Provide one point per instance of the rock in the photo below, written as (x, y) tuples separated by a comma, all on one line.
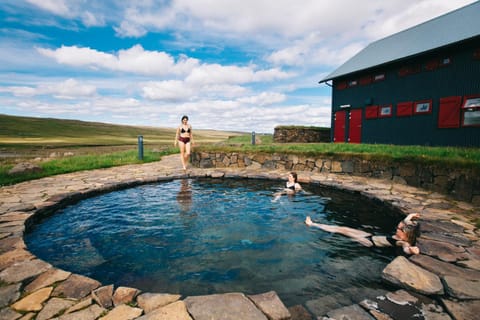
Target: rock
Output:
[(90, 313), (403, 273), (9, 294), (80, 305), (123, 312), (23, 270), (353, 312), (76, 287), (124, 295), (441, 268), (9, 314), (23, 168), (33, 302), (47, 279), (322, 305), (442, 250), (12, 242), (466, 310), (471, 263), (298, 312), (227, 306), (53, 307), (103, 296), (402, 304), (176, 310), (270, 304), (462, 288), (14, 256), (152, 301)]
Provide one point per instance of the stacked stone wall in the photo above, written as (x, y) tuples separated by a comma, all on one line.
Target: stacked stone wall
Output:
[(460, 184), (301, 134)]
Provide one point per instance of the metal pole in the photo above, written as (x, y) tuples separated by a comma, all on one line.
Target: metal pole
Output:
[(140, 147), (253, 137)]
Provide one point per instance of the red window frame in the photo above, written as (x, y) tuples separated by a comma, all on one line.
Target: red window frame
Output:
[(385, 111), (470, 108), (421, 104)]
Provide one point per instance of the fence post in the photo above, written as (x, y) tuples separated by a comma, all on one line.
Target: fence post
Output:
[(253, 137), (140, 147)]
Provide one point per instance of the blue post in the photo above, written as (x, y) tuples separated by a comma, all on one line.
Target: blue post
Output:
[(253, 137), (140, 147)]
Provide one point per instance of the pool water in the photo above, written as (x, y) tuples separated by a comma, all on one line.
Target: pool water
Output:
[(204, 236)]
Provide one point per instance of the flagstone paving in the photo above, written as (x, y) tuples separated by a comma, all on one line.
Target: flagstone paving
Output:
[(443, 282)]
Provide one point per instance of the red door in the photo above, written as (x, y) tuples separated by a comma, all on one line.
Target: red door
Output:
[(339, 126), (355, 126)]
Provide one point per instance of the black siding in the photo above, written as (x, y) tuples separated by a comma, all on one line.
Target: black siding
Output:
[(459, 78)]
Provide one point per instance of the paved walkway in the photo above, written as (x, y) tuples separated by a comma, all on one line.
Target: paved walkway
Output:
[(441, 283)]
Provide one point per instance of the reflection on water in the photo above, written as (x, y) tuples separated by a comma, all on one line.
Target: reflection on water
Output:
[(184, 195), (218, 235)]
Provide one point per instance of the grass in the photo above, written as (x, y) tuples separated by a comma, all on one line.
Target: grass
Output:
[(80, 163), (90, 145), (99, 145), (450, 156)]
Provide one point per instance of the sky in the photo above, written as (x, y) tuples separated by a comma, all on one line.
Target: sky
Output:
[(231, 65)]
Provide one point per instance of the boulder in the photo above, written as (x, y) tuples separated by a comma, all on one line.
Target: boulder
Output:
[(23, 168), (401, 272)]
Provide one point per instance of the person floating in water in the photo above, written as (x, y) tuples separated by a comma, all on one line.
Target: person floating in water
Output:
[(291, 187), (405, 236), (184, 138)]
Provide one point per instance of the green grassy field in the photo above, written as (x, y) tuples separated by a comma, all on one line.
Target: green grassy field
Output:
[(91, 145), (61, 146), (27, 137)]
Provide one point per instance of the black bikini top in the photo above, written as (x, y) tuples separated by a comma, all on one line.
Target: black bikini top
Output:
[(290, 187), (183, 130)]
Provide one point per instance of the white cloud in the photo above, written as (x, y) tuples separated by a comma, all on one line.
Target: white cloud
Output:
[(89, 19), (134, 60), (68, 89), (170, 90), (58, 7), (264, 99), (230, 65)]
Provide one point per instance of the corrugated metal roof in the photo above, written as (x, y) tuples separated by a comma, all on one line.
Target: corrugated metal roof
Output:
[(455, 26)]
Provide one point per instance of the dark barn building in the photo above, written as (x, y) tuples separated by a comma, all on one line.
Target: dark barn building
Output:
[(420, 86)]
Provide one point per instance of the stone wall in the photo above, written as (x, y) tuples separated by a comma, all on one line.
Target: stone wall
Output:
[(460, 184), (284, 134)]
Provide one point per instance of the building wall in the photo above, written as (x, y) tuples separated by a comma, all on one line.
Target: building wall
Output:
[(413, 80)]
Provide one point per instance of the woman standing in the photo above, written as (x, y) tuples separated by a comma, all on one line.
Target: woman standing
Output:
[(184, 138)]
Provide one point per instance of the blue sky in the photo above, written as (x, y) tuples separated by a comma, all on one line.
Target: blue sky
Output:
[(243, 65)]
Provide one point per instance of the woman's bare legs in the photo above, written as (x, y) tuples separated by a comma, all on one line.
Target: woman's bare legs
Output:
[(186, 156), (182, 147), (357, 235)]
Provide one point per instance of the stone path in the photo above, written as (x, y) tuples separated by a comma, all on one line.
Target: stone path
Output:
[(440, 283)]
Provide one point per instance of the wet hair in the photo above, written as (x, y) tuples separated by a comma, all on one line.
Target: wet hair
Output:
[(294, 175), (412, 231), (184, 117)]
